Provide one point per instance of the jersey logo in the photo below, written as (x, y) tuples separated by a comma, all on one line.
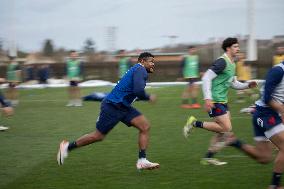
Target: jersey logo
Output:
[(98, 118)]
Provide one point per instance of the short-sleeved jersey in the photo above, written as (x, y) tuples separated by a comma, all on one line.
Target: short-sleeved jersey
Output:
[(273, 87), (130, 87), (73, 70), (221, 83), (266, 119), (191, 66)]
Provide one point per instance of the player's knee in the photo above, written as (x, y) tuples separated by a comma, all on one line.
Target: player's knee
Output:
[(8, 111), (226, 129), (265, 159), (145, 127)]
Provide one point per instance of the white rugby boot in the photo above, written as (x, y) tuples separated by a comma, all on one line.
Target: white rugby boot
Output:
[(62, 152), (143, 163)]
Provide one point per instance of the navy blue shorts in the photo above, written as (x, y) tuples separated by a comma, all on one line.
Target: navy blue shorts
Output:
[(219, 109), (74, 83), (264, 119), (112, 113), (4, 102)]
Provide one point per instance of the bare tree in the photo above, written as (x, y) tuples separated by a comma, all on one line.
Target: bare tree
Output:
[(48, 48), (89, 46)]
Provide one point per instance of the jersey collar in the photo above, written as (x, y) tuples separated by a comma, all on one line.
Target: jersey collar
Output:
[(225, 54)]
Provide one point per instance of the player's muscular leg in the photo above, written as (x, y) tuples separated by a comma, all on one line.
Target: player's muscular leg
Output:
[(142, 124), (90, 138), (278, 140), (222, 124)]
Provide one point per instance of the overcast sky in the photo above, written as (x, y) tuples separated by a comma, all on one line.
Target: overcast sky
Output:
[(140, 23)]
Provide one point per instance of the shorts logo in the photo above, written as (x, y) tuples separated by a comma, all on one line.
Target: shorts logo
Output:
[(259, 122), (218, 110), (271, 121)]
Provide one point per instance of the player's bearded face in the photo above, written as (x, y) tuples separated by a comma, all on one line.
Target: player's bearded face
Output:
[(149, 64)]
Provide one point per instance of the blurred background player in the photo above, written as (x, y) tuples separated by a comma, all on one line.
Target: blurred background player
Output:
[(74, 70), (6, 109), (13, 78), (268, 124), (243, 75), (95, 96), (279, 55), (124, 63), (117, 107), (216, 82), (43, 73), (190, 71)]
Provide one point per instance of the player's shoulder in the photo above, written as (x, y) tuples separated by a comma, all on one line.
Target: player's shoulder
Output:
[(276, 73), (219, 62), (278, 69), (138, 67), (220, 59), (280, 66)]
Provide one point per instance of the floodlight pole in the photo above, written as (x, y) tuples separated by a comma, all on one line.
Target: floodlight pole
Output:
[(12, 44), (111, 38), (251, 42)]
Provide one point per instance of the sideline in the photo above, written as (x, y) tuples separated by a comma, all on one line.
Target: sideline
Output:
[(59, 83)]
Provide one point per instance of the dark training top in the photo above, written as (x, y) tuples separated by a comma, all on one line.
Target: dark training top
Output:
[(130, 87)]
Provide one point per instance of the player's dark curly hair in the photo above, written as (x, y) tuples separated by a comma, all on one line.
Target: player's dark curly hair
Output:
[(144, 56), (229, 42)]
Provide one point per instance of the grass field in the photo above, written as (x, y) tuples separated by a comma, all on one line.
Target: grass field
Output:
[(28, 150)]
